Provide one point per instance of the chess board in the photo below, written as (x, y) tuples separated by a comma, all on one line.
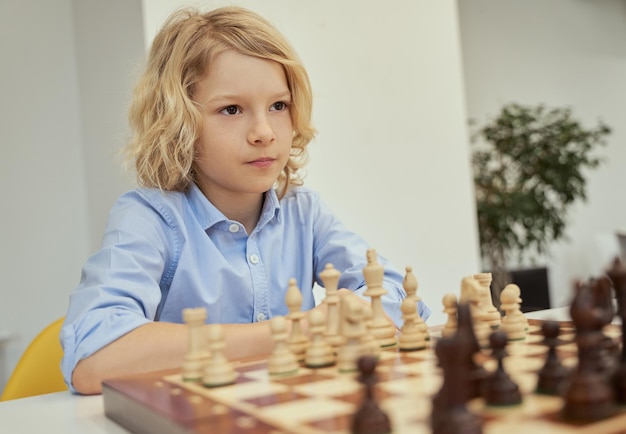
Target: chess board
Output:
[(323, 400)]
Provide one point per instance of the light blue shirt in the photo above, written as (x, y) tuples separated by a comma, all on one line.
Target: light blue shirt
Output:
[(166, 251)]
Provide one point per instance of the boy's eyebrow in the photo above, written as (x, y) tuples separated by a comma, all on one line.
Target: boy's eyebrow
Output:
[(226, 98)]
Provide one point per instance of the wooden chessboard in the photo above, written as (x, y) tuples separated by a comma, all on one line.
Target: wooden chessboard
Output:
[(324, 400)]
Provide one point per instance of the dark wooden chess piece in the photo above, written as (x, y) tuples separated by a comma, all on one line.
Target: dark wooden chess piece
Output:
[(465, 331), (588, 395), (608, 352), (450, 414), (369, 418), (617, 274), (552, 376), (498, 387)]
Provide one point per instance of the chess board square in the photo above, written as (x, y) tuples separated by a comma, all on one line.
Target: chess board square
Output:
[(526, 381), (333, 387), (293, 413), (263, 375), (333, 425), (408, 412), (533, 338), (242, 391), (312, 377), (532, 407), (533, 426), (514, 365), (274, 398), (612, 332), (413, 387), (522, 349)]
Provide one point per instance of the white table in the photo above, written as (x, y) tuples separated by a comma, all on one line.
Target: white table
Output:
[(554, 314), (557, 314), (53, 413)]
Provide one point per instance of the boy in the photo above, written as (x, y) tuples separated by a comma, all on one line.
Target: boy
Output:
[(221, 120)]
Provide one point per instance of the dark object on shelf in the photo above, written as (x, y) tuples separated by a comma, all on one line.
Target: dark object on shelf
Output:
[(533, 283)]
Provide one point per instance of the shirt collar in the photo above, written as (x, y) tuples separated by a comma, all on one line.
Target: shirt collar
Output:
[(208, 215), (271, 208)]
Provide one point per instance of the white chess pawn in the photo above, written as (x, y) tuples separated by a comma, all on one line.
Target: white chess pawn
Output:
[(330, 278), (282, 361), (381, 327), (298, 341), (518, 291), (513, 323), (412, 338), (319, 353), (370, 343), (353, 331), (218, 371), (410, 283), (410, 287), (450, 308)]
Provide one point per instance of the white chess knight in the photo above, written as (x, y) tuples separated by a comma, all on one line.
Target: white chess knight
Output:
[(471, 293)]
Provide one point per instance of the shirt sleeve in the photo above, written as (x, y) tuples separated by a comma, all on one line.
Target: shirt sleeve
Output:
[(120, 287), (346, 250)]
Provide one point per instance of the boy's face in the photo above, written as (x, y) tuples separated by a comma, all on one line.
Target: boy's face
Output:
[(247, 132)]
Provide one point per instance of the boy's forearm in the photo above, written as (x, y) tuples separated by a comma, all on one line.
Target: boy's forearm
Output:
[(160, 346)]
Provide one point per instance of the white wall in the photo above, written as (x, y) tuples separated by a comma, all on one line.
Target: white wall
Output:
[(67, 69), (391, 157), (561, 53), (109, 56), (43, 235)]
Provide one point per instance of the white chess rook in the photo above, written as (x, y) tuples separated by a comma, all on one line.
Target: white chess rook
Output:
[(197, 355)]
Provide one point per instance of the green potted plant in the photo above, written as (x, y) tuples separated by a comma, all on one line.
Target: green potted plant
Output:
[(529, 165)]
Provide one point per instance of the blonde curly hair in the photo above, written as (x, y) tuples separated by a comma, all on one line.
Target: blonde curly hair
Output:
[(164, 119)]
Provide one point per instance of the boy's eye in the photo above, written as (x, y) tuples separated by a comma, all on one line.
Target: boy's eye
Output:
[(279, 106), (230, 110)]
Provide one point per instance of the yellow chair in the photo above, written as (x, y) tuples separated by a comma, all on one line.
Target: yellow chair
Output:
[(39, 368)]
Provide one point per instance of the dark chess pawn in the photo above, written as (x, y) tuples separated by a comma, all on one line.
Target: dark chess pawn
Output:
[(465, 333), (608, 351), (552, 375), (498, 387), (369, 418), (450, 414), (588, 395)]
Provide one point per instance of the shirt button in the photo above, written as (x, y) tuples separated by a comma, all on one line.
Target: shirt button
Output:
[(260, 316), (234, 227), (254, 259)]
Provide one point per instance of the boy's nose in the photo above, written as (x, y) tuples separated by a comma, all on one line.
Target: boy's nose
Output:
[(261, 131)]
